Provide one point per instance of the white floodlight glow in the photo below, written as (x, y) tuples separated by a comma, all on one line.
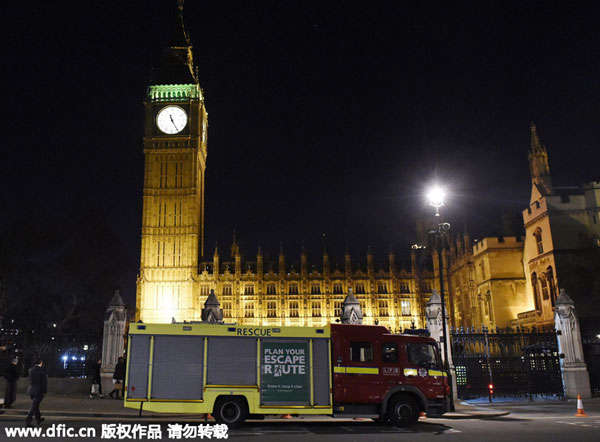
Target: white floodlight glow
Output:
[(436, 196)]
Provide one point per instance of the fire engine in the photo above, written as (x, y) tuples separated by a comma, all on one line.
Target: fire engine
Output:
[(237, 372)]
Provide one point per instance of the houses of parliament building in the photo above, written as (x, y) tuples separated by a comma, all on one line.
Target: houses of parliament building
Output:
[(499, 281), (174, 283)]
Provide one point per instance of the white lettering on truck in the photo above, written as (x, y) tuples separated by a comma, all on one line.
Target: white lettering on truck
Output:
[(279, 362)]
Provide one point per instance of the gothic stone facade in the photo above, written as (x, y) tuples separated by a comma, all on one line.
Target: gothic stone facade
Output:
[(249, 293)]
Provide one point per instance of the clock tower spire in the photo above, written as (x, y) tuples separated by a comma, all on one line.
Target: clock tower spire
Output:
[(175, 150)]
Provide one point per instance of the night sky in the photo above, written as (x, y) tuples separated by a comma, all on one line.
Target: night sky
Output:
[(325, 117)]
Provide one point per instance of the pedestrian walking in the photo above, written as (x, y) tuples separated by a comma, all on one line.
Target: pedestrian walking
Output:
[(38, 387), (96, 380), (118, 378), (11, 374)]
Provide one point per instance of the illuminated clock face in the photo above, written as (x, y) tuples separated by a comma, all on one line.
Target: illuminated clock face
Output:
[(171, 119)]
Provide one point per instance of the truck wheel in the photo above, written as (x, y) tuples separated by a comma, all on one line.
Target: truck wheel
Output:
[(231, 410), (403, 412)]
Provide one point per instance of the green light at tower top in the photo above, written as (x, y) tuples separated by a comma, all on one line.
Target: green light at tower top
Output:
[(175, 92)]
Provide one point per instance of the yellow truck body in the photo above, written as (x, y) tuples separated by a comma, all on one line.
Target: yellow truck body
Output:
[(188, 367)]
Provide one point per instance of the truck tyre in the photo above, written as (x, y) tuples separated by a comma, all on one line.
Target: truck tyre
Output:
[(231, 410), (403, 412)]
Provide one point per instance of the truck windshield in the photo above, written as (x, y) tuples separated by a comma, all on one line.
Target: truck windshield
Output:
[(423, 355)]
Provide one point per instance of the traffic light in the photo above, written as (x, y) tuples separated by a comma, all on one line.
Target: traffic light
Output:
[(491, 389)]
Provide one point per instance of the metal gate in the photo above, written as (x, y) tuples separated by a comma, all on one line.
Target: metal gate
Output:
[(591, 353), (517, 362)]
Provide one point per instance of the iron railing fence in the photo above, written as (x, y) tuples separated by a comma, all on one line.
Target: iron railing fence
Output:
[(516, 362), (64, 355)]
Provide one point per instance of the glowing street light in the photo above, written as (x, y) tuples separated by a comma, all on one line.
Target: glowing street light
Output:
[(436, 196)]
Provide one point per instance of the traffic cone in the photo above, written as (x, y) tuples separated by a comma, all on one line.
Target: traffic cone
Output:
[(423, 415), (580, 412), (286, 416)]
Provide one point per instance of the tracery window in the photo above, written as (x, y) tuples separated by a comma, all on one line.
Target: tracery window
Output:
[(405, 306), (383, 308), (538, 240), (271, 309), (316, 309), (536, 293), (551, 286), (293, 309), (271, 289)]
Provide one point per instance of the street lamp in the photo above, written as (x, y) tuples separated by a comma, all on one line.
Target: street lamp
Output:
[(436, 197)]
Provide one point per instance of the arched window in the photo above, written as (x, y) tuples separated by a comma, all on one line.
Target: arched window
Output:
[(271, 309), (536, 293), (538, 240), (551, 285), (544, 284)]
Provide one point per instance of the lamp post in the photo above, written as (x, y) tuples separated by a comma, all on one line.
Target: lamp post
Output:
[(436, 199)]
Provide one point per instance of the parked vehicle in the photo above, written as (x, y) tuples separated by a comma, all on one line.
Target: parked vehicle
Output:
[(237, 371)]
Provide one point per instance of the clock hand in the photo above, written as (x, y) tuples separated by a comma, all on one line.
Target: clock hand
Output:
[(173, 121)]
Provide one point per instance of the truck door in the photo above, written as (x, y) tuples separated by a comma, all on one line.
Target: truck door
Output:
[(391, 373), (424, 369), (357, 373)]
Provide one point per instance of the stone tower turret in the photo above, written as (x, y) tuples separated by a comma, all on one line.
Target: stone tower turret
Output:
[(538, 164)]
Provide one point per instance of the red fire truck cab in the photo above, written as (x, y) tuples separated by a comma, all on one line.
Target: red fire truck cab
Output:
[(387, 376)]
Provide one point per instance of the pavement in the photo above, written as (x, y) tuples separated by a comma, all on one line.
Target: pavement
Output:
[(544, 409), (70, 406)]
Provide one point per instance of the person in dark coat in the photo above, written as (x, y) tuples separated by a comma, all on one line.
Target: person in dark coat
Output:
[(118, 378), (38, 387), (96, 379), (12, 376)]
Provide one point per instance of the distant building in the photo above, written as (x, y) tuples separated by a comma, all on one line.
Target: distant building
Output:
[(562, 242), (507, 281), (486, 281)]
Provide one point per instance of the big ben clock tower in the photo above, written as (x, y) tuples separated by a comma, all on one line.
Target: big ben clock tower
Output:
[(173, 201)]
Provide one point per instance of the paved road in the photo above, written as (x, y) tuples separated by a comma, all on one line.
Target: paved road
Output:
[(529, 422), (540, 428)]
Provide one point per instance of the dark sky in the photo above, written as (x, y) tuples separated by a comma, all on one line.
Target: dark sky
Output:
[(324, 116)]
